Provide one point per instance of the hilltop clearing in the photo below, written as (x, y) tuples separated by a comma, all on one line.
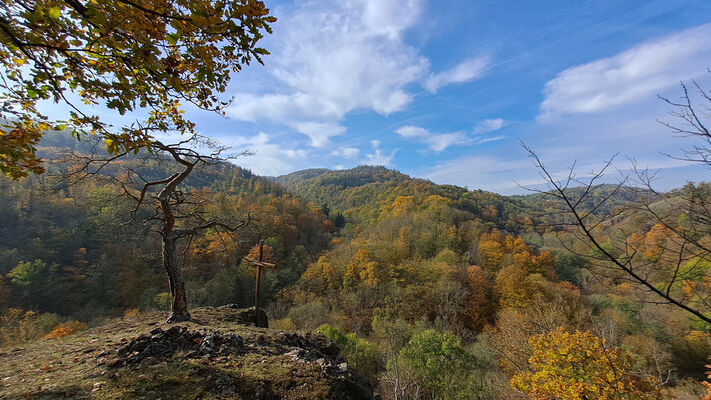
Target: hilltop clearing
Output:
[(213, 356)]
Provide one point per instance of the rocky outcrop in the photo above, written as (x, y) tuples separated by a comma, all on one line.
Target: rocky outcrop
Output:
[(302, 352)]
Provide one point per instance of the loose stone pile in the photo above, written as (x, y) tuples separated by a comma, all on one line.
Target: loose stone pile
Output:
[(294, 349), (163, 344)]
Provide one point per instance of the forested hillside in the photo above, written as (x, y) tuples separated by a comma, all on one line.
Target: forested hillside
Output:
[(430, 291), (71, 248)]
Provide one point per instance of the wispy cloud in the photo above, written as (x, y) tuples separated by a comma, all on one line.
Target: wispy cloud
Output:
[(439, 142), (335, 57), (492, 173), (346, 152), (489, 125), (320, 133), (436, 142), (466, 71), (377, 157), (410, 131), (628, 76)]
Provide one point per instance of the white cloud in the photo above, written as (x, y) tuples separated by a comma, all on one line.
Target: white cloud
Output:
[(377, 157), (470, 69), (335, 57), (490, 139), (410, 131), (436, 142), (439, 142), (628, 76), (491, 173), (268, 158), (346, 152), (488, 125), (319, 132)]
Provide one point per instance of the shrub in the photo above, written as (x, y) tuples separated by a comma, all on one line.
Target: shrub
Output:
[(163, 301), (65, 329), (284, 324), (17, 326), (361, 355)]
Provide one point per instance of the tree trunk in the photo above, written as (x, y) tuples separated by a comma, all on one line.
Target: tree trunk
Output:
[(179, 308)]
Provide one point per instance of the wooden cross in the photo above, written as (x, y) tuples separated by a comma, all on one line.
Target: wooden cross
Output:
[(259, 264)]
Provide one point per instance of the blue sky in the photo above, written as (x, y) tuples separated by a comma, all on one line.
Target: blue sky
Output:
[(445, 90)]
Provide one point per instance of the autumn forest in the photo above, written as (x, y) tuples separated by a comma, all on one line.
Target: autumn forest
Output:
[(587, 286)]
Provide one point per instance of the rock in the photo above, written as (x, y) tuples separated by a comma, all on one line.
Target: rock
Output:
[(97, 386), (295, 354), (260, 392), (310, 352), (208, 345), (247, 316), (225, 385)]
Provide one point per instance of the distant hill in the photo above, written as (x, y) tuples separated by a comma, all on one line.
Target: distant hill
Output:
[(57, 147), (300, 176), (361, 193)]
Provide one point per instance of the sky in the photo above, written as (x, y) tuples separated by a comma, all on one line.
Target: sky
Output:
[(448, 90)]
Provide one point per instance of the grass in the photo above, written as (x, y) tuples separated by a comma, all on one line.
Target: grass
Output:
[(75, 366)]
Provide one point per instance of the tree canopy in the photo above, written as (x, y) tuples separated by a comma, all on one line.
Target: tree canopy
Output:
[(130, 56)]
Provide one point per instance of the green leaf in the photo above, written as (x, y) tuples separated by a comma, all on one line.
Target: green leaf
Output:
[(172, 38), (55, 12)]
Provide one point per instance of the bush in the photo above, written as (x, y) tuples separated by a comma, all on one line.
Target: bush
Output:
[(284, 324), (436, 357), (361, 355), (163, 301), (65, 329), (309, 316), (18, 326)]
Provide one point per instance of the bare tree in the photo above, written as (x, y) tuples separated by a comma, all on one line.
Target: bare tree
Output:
[(673, 269), (161, 204), (670, 275)]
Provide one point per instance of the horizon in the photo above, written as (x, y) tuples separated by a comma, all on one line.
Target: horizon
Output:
[(445, 92)]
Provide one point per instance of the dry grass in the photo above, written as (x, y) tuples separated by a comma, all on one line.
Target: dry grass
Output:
[(75, 366)]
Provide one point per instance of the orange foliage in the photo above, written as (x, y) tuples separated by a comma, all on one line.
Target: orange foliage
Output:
[(267, 254), (402, 205), (478, 307), (706, 384), (328, 226), (491, 249), (320, 276), (65, 329)]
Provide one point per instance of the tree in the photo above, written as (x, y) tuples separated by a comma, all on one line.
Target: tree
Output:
[(361, 355), (161, 205), (578, 366), (478, 309), (130, 56), (671, 262), (440, 365)]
